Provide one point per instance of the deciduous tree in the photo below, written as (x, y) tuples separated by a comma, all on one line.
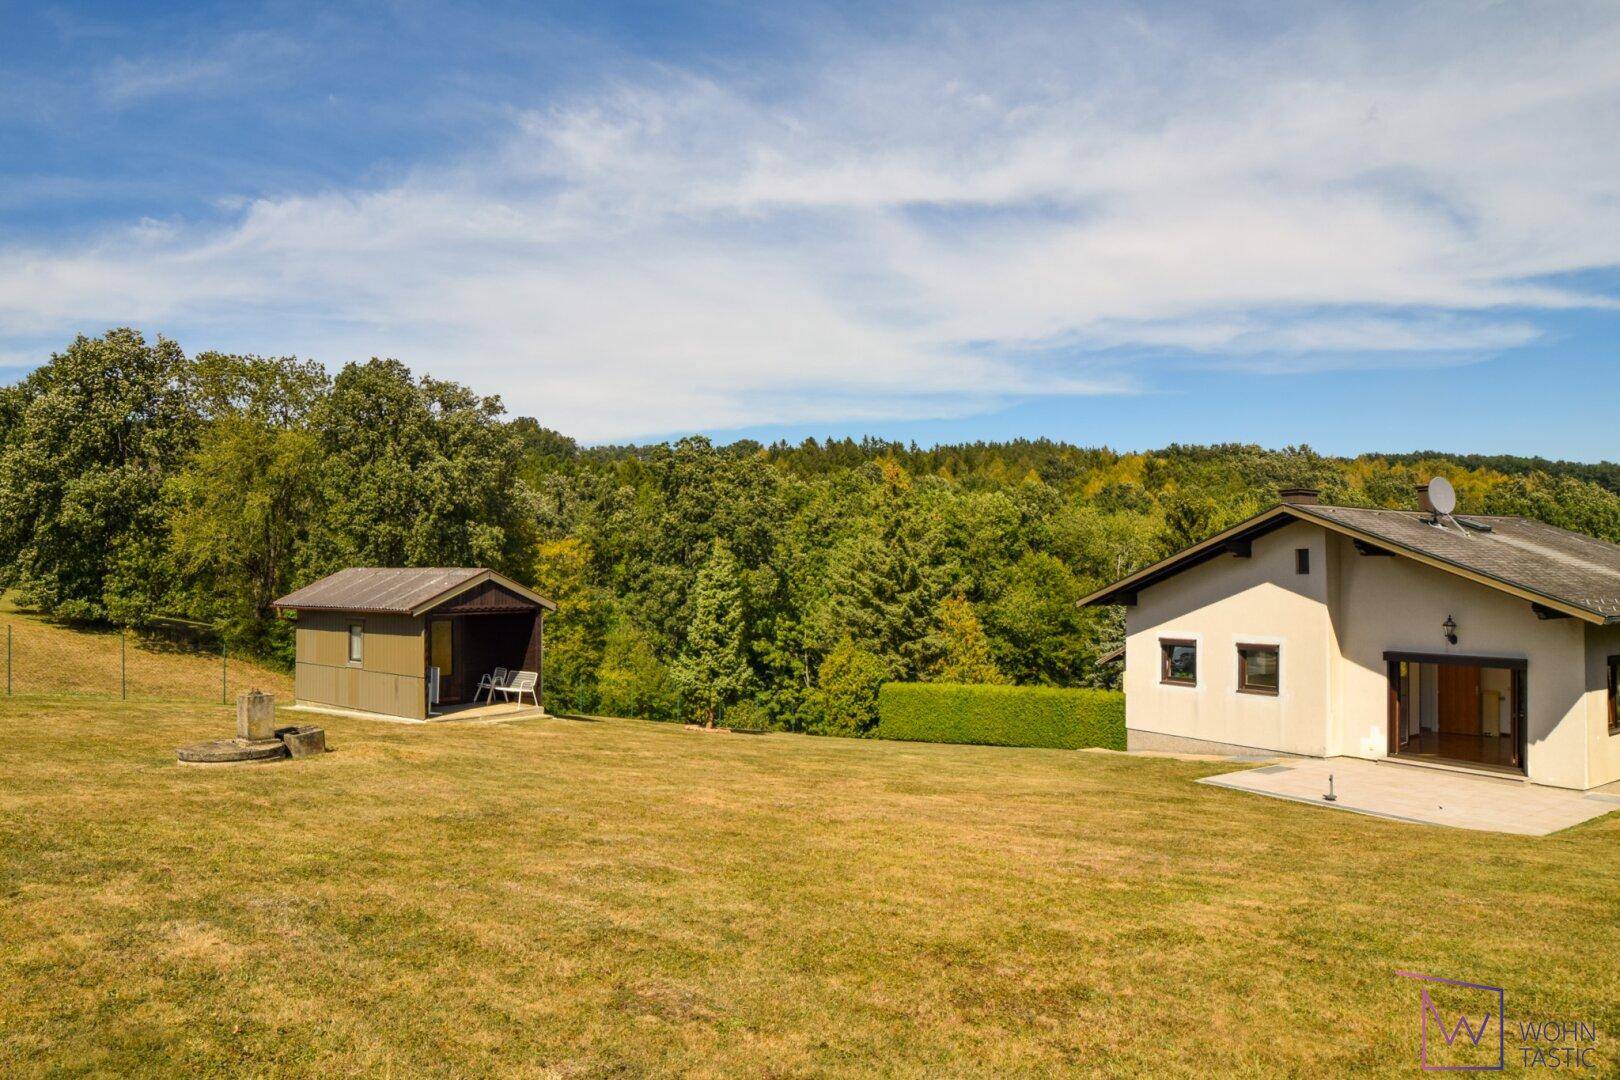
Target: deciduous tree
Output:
[(92, 436)]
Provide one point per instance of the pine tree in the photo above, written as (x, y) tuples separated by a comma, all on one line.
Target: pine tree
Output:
[(891, 580), (960, 646), (712, 670)]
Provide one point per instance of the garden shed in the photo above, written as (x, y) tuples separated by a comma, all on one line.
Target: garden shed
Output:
[(409, 642)]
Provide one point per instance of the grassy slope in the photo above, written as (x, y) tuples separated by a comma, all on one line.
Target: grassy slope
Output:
[(49, 657), (564, 897)]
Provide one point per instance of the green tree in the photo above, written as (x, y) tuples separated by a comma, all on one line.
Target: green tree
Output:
[(242, 507), (134, 481), (91, 437), (847, 690), (712, 670), (279, 392), (632, 681), (659, 514), (418, 473), (1036, 627), (891, 576), (242, 502), (1103, 547), (960, 646), (575, 631), (1103, 632), (1564, 501)]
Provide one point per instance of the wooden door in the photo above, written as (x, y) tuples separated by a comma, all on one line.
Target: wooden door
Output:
[(1459, 699)]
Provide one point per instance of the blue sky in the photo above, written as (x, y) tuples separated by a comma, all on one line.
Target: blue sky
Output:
[(1362, 227)]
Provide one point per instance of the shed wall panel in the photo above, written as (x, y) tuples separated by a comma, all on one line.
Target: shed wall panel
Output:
[(393, 645), (389, 679), (315, 682), (322, 639)]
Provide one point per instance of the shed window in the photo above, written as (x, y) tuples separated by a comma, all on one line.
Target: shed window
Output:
[(1302, 560), (357, 640), (441, 639), (1614, 692), (1257, 669), (1179, 662)]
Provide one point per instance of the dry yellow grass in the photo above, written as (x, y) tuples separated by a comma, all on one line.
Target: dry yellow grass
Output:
[(616, 898), (52, 658)]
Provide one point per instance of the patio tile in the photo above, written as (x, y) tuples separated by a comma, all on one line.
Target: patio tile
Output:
[(1422, 796)]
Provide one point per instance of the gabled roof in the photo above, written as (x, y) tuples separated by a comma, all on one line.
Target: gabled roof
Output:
[(386, 590), (1567, 572)]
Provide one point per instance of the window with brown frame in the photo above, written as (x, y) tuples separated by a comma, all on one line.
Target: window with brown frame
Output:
[(1614, 691), (1258, 669), (1302, 560), (1178, 662)]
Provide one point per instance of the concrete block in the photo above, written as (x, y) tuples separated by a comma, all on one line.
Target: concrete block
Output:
[(306, 740), (255, 716)]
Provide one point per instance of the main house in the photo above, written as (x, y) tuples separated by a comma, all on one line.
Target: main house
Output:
[(1487, 643), (409, 642)]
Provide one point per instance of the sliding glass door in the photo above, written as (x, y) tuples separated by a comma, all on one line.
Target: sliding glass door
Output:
[(1463, 709)]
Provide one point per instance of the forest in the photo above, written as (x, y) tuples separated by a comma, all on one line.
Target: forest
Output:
[(770, 585)]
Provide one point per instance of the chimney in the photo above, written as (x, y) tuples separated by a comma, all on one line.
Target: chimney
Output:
[(1424, 503), (1300, 496)]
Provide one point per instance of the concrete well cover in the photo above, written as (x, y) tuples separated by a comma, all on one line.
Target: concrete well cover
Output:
[(224, 751)]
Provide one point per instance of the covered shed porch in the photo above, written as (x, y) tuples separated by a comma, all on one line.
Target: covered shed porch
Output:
[(413, 643)]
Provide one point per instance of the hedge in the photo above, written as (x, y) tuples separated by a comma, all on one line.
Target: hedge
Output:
[(1002, 715)]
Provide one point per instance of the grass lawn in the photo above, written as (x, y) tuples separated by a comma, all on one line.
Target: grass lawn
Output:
[(593, 898), (51, 657)]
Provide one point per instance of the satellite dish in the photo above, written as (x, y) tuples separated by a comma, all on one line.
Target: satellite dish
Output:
[(1441, 496)]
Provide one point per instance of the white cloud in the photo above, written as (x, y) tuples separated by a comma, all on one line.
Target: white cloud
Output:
[(1008, 204), (237, 62)]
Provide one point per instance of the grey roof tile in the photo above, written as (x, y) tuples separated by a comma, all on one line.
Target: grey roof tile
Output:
[(1571, 567)]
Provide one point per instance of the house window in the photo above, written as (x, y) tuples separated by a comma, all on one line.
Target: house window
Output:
[(357, 638), (1257, 669), (1614, 691), (1179, 662), (1302, 560)]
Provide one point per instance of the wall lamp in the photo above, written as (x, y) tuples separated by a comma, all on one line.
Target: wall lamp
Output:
[(1450, 627)]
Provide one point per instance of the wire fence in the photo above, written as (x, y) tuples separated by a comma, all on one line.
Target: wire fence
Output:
[(43, 658)]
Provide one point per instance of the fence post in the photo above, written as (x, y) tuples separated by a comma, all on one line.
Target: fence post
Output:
[(224, 676), (8, 659), (123, 667)]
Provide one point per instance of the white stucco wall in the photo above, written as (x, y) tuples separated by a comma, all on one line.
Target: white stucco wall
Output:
[(1396, 604), (1603, 749), (1333, 627), (1220, 604)]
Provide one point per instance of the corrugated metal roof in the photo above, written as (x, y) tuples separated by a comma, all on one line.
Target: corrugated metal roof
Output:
[(1569, 570), (379, 589)]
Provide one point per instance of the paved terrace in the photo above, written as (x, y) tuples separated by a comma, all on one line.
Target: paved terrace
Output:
[(1425, 796)]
